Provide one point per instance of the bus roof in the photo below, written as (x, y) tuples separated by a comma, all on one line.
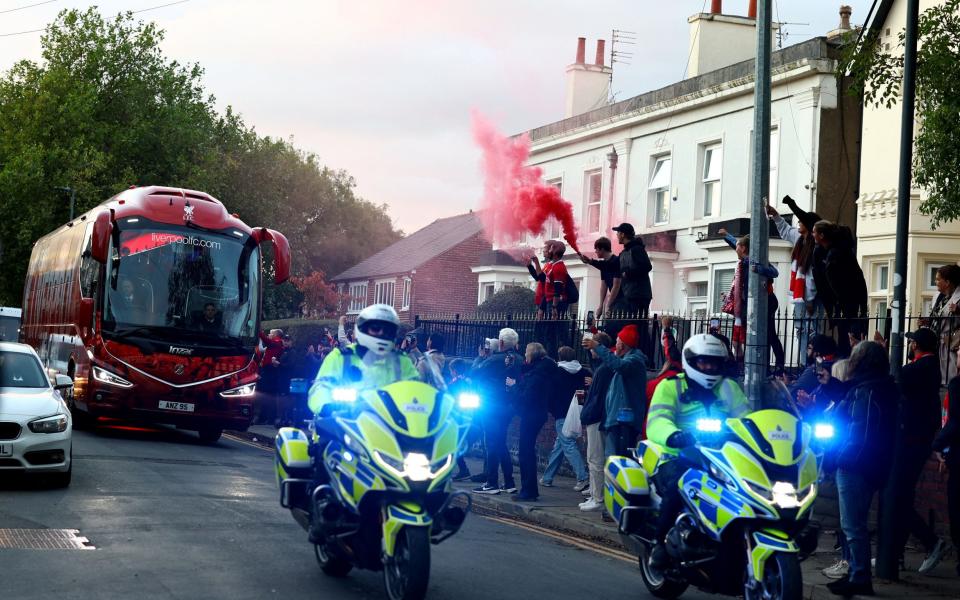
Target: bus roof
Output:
[(165, 204), (9, 311)]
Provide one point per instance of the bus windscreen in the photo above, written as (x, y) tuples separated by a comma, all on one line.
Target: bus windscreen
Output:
[(172, 282)]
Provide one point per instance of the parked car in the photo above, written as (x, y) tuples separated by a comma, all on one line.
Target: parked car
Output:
[(35, 424)]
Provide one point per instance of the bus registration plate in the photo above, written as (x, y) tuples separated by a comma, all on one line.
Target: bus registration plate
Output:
[(180, 406), (6, 449)]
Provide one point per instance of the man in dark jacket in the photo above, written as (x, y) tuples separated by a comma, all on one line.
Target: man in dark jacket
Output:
[(635, 268), (845, 279), (591, 416), (533, 391), (918, 425), (490, 377), (570, 378), (947, 449), (822, 347)]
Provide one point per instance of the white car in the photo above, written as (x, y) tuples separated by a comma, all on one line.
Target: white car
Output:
[(35, 424)]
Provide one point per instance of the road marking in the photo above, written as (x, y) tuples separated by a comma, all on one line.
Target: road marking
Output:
[(240, 440), (567, 539)]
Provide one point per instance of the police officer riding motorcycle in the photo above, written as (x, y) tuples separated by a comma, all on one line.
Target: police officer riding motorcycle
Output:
[(700, 392)]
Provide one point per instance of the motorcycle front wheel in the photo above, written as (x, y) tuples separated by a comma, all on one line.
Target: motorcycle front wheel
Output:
[(330, 563), (781, 579), (658, 584), (408, 573)]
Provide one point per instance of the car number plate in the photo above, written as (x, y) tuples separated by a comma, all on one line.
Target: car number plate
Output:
[(180, 406), (6, 449)]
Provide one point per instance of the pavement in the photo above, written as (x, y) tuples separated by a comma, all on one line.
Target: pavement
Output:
[(556, 510)]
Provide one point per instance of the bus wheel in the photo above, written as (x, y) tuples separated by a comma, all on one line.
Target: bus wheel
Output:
[(209, 435)]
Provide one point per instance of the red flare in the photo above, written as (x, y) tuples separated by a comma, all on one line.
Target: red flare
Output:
[(515, 199)]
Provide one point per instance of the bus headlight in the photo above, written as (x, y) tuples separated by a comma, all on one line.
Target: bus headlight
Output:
[(104, 376), (243, 391)]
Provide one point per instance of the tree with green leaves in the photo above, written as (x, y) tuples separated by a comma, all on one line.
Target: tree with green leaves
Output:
[(877, 74), (105, 109)]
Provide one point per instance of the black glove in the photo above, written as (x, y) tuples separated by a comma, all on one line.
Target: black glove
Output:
[(680, 439)]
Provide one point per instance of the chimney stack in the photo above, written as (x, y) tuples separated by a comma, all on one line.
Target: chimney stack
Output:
[(716, 7), (845, 12), (588, 85), (752, 10)]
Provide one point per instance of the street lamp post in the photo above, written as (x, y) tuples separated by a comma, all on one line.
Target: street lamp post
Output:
[(73, 198), (758, 351)]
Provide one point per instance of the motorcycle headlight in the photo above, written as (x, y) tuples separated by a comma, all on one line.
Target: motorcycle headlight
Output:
[(54, 424), (823, 431), (709, 425), (717, 473), (785, 495), (415, 466), (761, 491), (243, 391), (350, 442), (469, 401), (342, 394), (104, 376)]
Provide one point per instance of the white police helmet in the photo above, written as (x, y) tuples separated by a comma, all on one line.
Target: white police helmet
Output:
[(704, 346), (385, 340)]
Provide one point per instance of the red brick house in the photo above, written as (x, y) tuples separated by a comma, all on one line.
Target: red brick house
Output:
[(427, 272)]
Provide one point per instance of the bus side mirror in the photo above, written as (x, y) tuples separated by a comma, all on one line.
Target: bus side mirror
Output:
[(281, 252), (100, 240)]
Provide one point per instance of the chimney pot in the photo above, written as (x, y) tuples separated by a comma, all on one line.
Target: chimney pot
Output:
[(581, 50), (752, 10), (716, 7), (601, 46), (845, 12)]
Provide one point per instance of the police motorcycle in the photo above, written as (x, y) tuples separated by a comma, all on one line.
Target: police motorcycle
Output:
[(748, 493), (370, 479)]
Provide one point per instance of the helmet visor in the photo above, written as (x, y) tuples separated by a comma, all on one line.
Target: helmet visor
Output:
[(380, 329)]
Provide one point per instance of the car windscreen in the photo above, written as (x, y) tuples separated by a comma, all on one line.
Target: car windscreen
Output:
[(19, 370)]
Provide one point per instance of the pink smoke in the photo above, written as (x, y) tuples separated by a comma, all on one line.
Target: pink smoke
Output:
[(515, 199)]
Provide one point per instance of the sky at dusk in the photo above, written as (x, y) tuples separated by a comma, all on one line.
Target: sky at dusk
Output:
[(384, 89)]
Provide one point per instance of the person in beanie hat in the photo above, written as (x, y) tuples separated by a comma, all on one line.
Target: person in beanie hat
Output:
[(626, 401)]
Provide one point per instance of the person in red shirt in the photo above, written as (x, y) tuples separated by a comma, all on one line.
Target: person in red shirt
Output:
[(555, 281)]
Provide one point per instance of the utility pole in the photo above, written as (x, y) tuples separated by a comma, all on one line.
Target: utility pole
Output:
[(758, 351), (73, 198), (891, 516)]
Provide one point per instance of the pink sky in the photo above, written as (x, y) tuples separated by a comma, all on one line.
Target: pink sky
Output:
[(384, 89)]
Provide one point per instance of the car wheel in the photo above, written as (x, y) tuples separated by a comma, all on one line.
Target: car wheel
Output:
[(210, 435), (62, 480)]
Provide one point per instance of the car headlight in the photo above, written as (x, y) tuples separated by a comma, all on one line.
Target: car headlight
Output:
[(54, 424), (342, 394), (823, 431), (244, 391), (104, 376), (468, 401), (709, 425)]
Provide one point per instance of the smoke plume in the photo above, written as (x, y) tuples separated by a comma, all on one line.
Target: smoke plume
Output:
[(515, 199)]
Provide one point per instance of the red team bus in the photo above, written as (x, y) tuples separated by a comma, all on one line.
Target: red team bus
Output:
[(151, 302)]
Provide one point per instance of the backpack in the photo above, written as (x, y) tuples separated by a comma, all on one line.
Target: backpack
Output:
[(573, 294)]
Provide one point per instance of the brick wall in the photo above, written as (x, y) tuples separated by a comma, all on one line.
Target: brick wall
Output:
[(445, 283)]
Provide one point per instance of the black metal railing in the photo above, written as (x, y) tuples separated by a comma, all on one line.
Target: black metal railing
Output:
[(465, 335)]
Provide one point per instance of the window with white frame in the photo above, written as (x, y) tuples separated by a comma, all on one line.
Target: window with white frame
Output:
[(881, 278), (722, 285), (358, 296), (593, 192), (552, 226), (880, 290), (659, 189), (383, 292), (710, 179), (407, 289), (928, 294), (487, 292)]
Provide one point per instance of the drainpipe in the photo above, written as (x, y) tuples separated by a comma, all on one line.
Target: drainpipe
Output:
[(613, 159)]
